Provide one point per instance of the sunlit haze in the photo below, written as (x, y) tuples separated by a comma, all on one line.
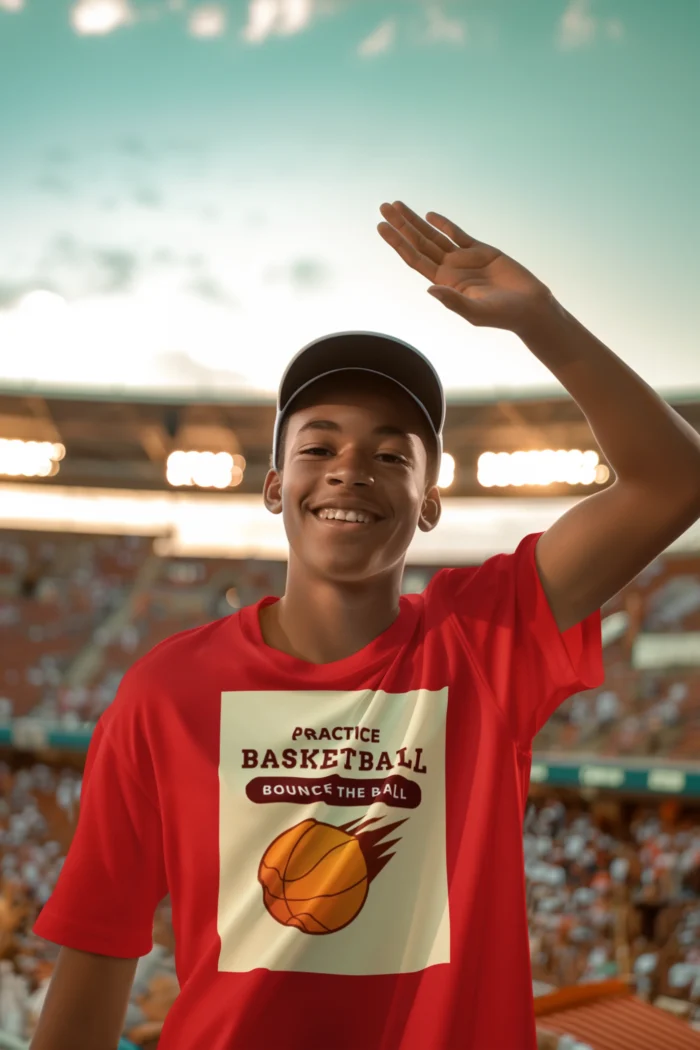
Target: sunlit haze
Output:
[(189, 192)]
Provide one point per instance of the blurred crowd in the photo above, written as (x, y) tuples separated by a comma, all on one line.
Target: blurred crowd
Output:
[(606, 903), (38, 811)]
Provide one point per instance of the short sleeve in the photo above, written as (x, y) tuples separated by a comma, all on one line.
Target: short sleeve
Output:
[(503, 617), (114, 874)]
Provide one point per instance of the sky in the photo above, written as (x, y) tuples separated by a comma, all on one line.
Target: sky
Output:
[(189, 192)]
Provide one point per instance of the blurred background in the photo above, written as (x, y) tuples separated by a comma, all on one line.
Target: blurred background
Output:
[(188, 194)]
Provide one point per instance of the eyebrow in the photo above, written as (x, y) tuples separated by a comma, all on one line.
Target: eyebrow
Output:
[(327, 424)]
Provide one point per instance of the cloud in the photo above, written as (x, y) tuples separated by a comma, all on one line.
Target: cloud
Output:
[(309, 273), (209, 213), (302, 274), (277, 17), (76, 269), (208, 288), (147, 197), (442, 29), (64, 248), (614, 29), (207, 21), (255, 220), (164, 256), (114, 269), (12, 291), (180, 370), (379, 41), (99, 17), (57, 154), (133, 146), (579, 28), (54, 184)]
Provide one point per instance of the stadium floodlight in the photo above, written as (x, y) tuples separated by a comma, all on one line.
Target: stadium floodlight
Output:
[(204, 470), (541, 467), (30, 459), (447, 471)]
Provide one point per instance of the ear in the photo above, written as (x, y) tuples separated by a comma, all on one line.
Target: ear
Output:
[(431, 510), (272, 492)]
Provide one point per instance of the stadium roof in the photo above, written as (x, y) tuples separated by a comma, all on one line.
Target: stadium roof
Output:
[(124, 443)]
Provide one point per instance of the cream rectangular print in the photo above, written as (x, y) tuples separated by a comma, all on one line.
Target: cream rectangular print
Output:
[(332, 832)]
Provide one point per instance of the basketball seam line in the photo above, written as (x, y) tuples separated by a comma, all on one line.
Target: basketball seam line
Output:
[(316, 895), (320, 859)]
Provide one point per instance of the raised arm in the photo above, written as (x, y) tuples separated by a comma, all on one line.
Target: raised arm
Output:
[(606, 539)]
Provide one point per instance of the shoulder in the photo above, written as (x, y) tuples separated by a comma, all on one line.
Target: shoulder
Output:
[(169, 656), (157, 675), (475, 588)]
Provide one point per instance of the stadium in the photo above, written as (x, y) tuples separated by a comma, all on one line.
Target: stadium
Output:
[(188, 198), (612, 831)]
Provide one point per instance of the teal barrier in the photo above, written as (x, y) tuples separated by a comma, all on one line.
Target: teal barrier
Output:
[(659, 778)]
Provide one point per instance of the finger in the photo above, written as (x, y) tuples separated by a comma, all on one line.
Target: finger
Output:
[(429, 232), (425, 246), (459, 236), (406, 250)]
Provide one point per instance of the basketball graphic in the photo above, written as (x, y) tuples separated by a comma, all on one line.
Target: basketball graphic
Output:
[(315, 876)]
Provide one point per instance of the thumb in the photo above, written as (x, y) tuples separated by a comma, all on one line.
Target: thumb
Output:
[(455, 301)]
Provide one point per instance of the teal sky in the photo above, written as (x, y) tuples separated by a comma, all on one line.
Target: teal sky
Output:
[(189, 192)]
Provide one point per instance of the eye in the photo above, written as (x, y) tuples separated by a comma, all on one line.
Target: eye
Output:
[(315, 450), (392, 457)]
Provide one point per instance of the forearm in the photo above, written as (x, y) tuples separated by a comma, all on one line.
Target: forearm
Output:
[(644, 439)]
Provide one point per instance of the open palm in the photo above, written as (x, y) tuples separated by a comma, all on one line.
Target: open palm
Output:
[(469, 277)]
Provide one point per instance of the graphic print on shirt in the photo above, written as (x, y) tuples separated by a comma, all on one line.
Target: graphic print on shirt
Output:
[(315, 877), (332, 832)]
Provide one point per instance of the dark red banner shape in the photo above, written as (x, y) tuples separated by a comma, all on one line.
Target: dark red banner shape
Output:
[(335, 791)]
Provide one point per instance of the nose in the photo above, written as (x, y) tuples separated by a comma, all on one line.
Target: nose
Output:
[(351, 468)]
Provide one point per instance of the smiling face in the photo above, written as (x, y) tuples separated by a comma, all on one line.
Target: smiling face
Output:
[(354, 482)]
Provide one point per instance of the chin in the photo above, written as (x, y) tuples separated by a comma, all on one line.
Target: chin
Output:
[(344, 570)]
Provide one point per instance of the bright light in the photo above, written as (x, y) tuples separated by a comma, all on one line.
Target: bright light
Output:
[(232, 598), (98, 17), (40, 303), (447, 471), (541, 467), (294, 16), (204, 470), (29, 459), (11, 5), (207, 21), (262, 16)]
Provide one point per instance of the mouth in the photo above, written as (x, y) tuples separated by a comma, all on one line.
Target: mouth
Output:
[(345, 518)]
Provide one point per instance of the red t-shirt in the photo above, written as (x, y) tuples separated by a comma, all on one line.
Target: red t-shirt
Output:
[(342, 843)]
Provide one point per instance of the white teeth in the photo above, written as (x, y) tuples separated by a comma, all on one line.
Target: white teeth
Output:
[(344, 515)]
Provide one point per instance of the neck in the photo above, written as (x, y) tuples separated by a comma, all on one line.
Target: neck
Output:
[(321, 621)]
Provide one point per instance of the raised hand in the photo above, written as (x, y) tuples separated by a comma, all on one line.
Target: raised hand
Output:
[(471, 278)]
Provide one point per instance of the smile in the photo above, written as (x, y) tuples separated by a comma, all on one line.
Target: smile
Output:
[(336, 515)]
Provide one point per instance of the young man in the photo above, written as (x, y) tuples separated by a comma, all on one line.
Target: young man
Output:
[(331, 786)]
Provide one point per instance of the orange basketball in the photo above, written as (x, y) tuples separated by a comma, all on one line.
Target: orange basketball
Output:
[(314, 877)]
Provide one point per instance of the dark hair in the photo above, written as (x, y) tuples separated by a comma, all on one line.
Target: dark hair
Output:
[(432, 465)]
